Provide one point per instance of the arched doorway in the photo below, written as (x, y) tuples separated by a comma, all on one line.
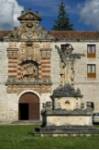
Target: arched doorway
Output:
[(29, 108)]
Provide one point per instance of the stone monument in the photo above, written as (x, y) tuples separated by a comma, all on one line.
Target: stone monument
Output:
[(66, 114)]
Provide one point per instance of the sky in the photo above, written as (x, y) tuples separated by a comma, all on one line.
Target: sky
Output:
[(83, 14)]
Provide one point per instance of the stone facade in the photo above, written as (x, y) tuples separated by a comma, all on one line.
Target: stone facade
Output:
[(29, 62), (25, 66)]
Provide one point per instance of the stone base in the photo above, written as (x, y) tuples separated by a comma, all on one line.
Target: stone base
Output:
[(67, 130), (75, 120)]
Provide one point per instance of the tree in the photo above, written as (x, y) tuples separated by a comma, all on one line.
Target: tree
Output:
[(62, 23)]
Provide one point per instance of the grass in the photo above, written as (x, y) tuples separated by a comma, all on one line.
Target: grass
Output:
[(20, 136)]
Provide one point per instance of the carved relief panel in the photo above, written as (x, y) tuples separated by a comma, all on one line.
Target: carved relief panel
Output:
[(29, 60), (29, 70)]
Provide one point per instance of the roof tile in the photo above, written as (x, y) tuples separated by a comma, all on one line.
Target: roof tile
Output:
[(75, 35)]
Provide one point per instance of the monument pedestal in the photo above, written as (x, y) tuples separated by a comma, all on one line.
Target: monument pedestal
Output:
[(65, 116), (67, 119)]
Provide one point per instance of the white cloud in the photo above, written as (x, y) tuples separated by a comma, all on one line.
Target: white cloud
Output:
[(9, 11), (89, 13)]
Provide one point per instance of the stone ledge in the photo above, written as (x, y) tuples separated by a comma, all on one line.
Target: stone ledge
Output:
[(67, 131), (69, 113), (28, 82)]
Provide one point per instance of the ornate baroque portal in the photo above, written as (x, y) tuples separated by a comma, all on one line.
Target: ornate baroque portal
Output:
[(29, 54), (29, 66)]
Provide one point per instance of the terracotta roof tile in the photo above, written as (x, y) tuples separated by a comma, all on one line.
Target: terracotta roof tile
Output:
[(65, 35), (75, 35)]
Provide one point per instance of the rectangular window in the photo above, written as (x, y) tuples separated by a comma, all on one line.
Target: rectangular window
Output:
[(91, 51), (91, 71)]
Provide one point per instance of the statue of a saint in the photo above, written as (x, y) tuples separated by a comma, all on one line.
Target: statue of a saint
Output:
[(67, 68)]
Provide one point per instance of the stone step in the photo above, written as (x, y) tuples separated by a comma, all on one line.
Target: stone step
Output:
[(26, 122), (68, 130)]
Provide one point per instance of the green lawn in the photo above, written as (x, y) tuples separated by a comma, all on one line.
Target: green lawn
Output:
[(21, 137)]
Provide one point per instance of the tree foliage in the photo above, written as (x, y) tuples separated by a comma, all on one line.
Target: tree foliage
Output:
[(62, 22)]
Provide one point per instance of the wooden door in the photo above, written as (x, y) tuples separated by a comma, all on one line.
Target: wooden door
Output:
[(29, 108)]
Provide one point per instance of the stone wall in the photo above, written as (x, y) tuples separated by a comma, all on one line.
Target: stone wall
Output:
[(55, 67), (3, 79), (89, 87)]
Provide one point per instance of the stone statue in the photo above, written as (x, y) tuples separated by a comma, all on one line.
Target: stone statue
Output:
[(66, 73), (67, 64)]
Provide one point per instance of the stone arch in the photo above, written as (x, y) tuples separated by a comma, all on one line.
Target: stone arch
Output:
[(29, 106)]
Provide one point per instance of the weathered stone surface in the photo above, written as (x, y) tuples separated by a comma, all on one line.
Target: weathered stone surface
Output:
[(67, 103), (69, 120), (67, 131), (66, 91)]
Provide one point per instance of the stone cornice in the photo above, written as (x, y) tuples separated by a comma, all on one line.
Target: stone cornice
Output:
[(28, 82)]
